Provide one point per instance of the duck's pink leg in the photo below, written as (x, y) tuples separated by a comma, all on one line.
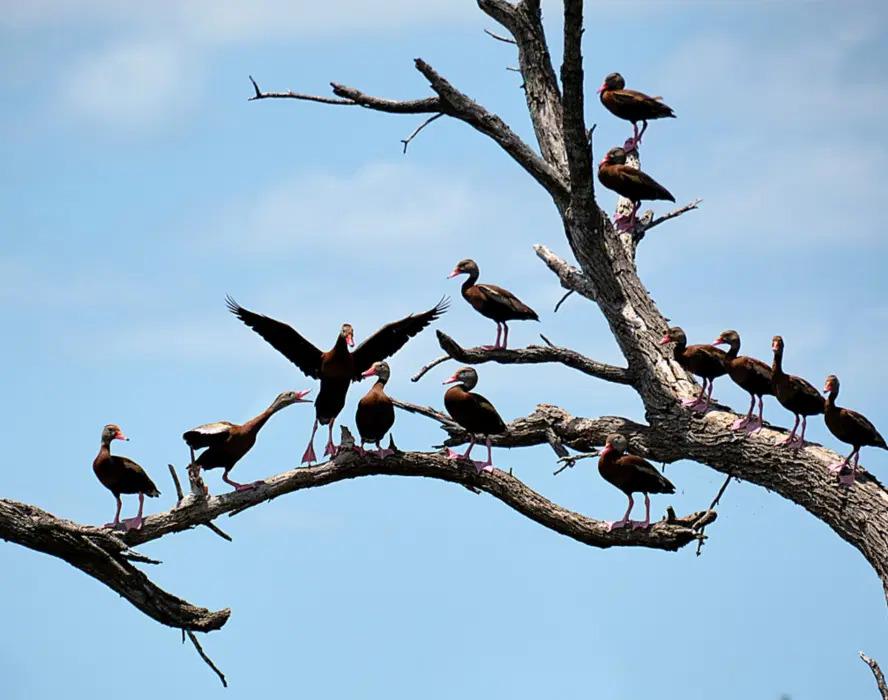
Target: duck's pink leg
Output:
[(800, 440), (309, 454), (848, 479), (330, 449), (456, 455), (633, 143), (240, 487), (505, 335), (496, 345), (616, 524), (756, 423), (741, 423), (116, 523), (381, 452), (488, 465), (696, 401), (136, 523), (647, 515), (790, 439)]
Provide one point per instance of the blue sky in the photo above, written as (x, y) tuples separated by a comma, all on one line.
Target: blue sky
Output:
[(140, 187)]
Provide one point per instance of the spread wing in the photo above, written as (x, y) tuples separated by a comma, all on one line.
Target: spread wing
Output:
[(208, 434), (505, 298), (282, 338), (392, 337)]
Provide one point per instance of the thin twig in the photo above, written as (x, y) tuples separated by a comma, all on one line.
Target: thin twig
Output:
[(434, 363), (504, 39), (877, 672), (562, 300), (571, 460), (416, 131), (180, 495), (715, 502), (690, 206), (224, 535), (207, 660), (289, 94), (513, 69)]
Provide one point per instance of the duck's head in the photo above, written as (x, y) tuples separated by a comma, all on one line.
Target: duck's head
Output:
[(348, 334), (464, 267), (466, 376), (612, 81), (615, 443), (615, 156), (674, 335), (380, 370), (111, 432)]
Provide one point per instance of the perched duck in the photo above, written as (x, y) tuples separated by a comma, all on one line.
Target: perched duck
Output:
[(473, 412), (705, 361), (630, 183), (751, 375), (375, 415), (338, 367), (794, 394), (122, 475), (630, 474), (850, 427), (494, 302), (227, 442), (631, 105)]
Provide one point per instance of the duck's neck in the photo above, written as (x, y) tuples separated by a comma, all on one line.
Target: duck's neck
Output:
[(680, 347), (831, 399), (341, 347), (105, 447), (733, 349), (777, 365), (378, 387), (470, 281), (255, 424)]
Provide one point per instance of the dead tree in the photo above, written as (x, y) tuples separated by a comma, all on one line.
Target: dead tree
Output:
[(604, 273)]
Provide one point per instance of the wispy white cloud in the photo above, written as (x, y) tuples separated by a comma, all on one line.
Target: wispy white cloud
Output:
[(129, 86), (382, 203)]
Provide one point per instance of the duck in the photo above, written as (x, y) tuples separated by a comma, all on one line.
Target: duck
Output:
[(631, 105), (751, 375), (850, 427), (631, 474), (629, 182), (227, 442), (122, 475), (338, 367), (494, 302), (474, 413), (705, 361), (794, 394), (375, 414)]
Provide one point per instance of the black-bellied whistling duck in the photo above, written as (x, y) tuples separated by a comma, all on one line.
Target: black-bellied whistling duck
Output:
[(337, 368), (706, 361), (631, 474), (474, 413), (631, 105), (375, 414), (629, 182), (227, 442), (122, 475), (794, 394), (751, 375), (494, 302), (850, 427)]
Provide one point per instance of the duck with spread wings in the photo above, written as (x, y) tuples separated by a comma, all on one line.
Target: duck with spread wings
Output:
[(338, 367)]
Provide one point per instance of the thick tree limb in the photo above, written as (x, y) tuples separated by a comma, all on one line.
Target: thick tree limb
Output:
[(350, 465), (583, 210), (877, 672), (106, 557), (534, 354), (524, 22)]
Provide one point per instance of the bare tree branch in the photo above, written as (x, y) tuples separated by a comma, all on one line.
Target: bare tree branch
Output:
[(570, 277), (690, 206), (464, 108), (534, 354), (504, 39), (106, 557), (877, 672)]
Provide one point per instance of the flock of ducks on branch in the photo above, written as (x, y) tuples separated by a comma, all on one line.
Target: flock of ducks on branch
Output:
[(225, 443)]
